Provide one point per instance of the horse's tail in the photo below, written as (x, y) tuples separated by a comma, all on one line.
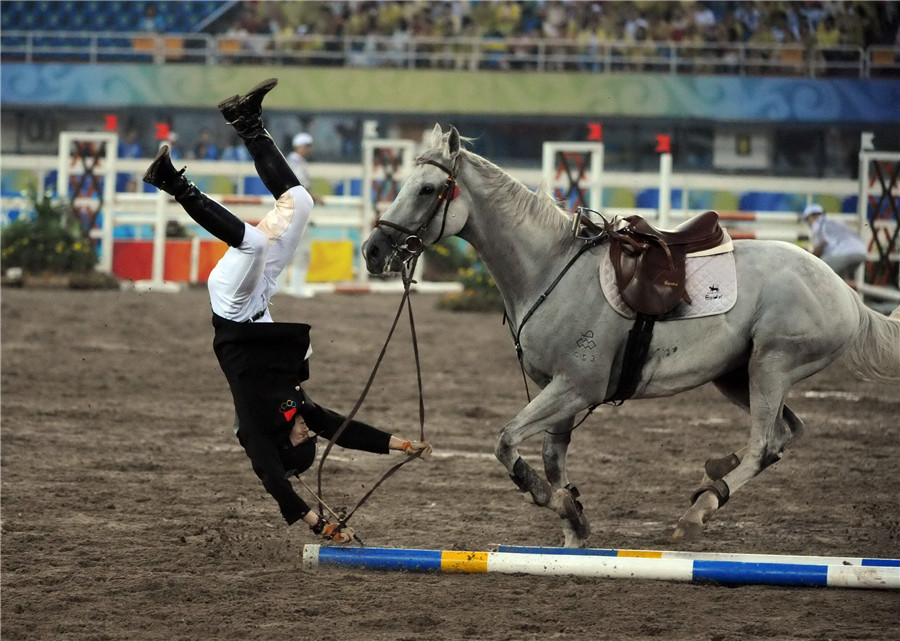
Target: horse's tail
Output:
[(874, 352)]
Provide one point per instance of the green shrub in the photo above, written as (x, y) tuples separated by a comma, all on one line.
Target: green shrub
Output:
[(479, 294), (54, 241), (445, 259)]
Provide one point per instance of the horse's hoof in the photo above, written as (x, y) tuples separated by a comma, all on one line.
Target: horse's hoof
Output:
[(583, 528), (573, 541), (576, 534), (686, 531), (691, 524)]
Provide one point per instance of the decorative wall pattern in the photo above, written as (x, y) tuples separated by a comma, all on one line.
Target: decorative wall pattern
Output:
[(756, 99)]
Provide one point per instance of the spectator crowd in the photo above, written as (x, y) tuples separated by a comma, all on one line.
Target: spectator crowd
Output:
[(820, 23), (515, 26)]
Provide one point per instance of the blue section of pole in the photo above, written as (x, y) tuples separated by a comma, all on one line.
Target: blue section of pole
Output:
[(729, 572), (885, 563), (382, 558)]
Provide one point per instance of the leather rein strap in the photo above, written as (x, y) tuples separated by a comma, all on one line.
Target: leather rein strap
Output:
[(640, 334), (407, 281), (593, 242), (408, 269)]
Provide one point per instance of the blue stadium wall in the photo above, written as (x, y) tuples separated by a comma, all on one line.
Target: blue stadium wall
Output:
[(330, 90)]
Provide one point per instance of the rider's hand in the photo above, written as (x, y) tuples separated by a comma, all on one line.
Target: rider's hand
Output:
[(414, 447), (343, 535)]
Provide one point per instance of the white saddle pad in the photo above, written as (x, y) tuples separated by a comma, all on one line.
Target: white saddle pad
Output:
[(710, 281)]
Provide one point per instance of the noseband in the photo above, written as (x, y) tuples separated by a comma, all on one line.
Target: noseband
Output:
[(413, 246)]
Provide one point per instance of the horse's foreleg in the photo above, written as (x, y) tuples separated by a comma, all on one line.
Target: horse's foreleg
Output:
[(555, 447), (558, 402), (564, 501)]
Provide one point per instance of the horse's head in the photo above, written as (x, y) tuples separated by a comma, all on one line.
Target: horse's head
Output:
[(425, 210)]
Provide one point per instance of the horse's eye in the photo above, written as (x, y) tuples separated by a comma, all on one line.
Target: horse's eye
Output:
[(427, 190)]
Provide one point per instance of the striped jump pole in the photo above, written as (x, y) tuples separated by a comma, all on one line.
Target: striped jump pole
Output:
[(831, 572), (704, 556)]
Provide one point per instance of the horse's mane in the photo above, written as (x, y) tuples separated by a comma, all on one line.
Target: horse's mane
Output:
[(524, 206)]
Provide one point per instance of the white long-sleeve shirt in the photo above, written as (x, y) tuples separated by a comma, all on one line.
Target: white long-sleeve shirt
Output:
[(836, 238)]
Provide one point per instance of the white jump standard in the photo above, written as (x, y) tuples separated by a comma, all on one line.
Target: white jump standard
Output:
[(830, 572)]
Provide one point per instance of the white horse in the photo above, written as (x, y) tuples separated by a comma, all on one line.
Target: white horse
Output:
[(793, 316)]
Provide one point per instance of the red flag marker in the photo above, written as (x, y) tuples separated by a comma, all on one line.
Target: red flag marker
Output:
[(663, 144), (162, 131), (595, 131), (111, 122)]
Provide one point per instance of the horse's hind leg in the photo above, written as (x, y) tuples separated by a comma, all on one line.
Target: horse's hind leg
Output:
[(785, 427), (564, 501), (736, 387)]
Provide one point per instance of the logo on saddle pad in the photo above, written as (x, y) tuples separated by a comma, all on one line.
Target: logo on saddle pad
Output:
[(713, 293)]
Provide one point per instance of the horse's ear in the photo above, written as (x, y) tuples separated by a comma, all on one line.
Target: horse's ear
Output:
[(436, 135), (453, 141)]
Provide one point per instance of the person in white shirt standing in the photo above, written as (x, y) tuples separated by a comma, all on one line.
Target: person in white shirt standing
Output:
[(302, 145), (835, 243)]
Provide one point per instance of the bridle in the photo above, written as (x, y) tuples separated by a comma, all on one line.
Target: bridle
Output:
[(413, 245)]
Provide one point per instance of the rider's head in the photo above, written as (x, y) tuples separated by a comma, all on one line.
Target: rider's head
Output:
[(298, 458), (812, 213)]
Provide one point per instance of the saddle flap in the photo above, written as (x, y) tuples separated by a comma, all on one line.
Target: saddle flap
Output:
[(650, 281)]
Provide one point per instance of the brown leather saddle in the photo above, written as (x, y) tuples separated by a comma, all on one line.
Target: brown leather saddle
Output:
[(649, 262)]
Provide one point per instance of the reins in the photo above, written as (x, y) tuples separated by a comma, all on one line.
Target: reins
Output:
[(601, 233), (413, 245), (517, 335), (406, 275)]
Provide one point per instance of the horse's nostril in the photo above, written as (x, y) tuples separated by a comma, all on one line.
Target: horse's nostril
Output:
[(372, 251)]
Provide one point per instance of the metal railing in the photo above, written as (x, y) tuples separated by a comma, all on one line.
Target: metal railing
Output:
[(462, 53)]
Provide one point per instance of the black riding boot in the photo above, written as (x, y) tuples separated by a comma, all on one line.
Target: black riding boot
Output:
[(209, 214), (244, 113)]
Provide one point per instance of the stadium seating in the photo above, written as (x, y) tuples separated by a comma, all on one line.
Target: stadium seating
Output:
[(93, 15)]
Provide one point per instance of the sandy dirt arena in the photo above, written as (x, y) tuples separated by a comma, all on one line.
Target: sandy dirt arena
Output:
[(130, 512)]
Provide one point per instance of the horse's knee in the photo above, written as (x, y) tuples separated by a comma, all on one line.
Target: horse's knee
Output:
[(503, 449), (758, 459), (555, 444)]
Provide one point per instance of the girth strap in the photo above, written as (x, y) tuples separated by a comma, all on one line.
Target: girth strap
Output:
[(636, 349)]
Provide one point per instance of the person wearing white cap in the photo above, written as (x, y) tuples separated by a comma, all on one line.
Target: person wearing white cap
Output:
[(835, 243), (302, 144)]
